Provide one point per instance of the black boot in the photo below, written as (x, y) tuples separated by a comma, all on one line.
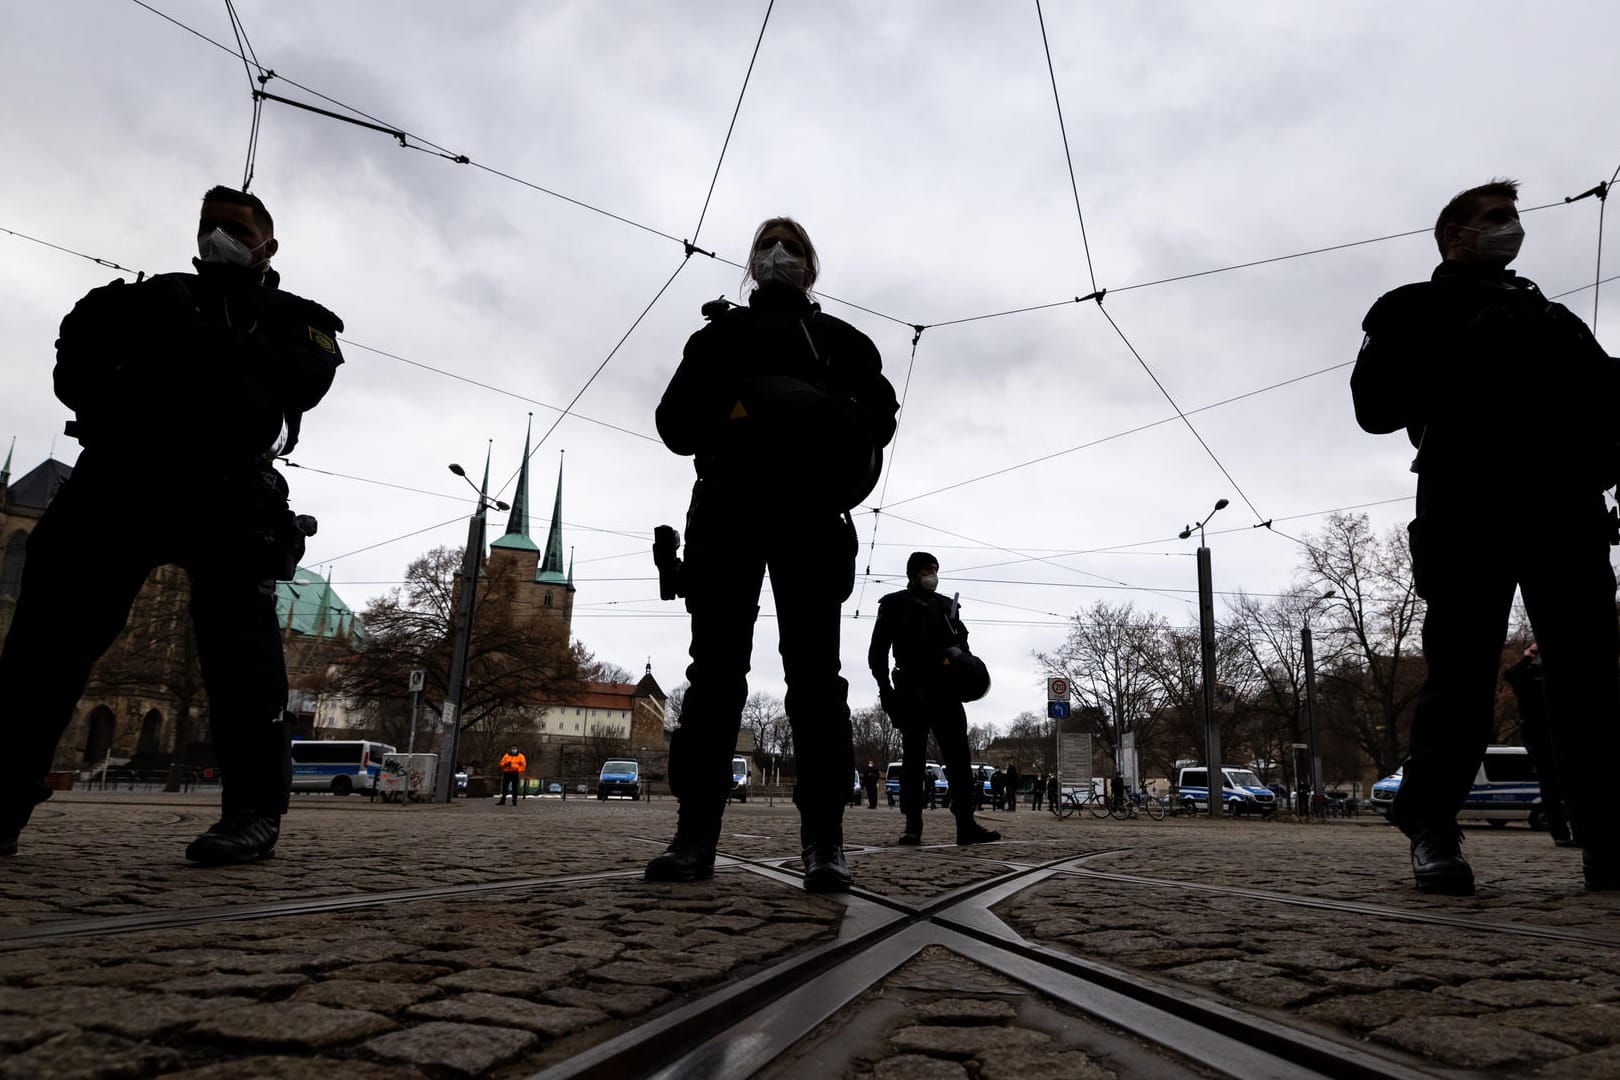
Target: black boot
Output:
[(825, 870), (240, 836), (913, 834), (15, 815), (969, 831), (1438, 864), (683, 860)]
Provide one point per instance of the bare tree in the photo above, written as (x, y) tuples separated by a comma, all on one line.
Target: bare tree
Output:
[(1030, 725), (979, 737), (1374, 614), (672, 707), (876, 740), (763, 715), (1107, 658)]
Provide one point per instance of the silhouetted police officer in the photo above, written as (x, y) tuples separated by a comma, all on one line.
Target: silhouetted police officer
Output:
[(927, 638), (184, 388), (786, 411), (1503, 393)]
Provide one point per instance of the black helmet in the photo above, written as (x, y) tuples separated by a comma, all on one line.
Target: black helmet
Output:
[(965, 675)]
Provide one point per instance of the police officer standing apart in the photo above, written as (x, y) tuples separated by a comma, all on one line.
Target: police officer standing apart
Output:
[(185, 387), (933, 674), (1504, 394), (786, 411)]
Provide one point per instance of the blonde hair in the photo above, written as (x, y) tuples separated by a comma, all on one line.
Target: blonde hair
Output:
[(811, 261)]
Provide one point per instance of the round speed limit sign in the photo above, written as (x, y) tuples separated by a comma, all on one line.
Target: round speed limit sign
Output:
[(1057, 688)]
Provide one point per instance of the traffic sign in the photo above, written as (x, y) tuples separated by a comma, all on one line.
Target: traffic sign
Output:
[(1057, 688), (418, 681), (1057, 710)]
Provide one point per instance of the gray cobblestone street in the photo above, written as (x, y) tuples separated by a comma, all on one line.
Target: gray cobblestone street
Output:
[(431, 941)]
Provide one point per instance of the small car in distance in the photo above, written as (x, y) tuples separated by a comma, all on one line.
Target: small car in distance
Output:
[(619, 776), (739, 778)]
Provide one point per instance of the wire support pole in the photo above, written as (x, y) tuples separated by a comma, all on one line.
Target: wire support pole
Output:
[(732, 126), (1235, 485), (1068, 156)]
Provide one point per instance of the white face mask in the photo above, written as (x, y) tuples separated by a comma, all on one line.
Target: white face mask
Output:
[(777, 266), (1498, 245), (222, 249), (929, 582)]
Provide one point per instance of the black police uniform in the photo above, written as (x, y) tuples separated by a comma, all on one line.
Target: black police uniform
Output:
[(917, 625), (1505, 394), (785, 409), (180, 384)]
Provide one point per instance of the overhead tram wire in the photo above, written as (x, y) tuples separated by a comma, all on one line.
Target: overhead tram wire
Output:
[(1121, 434), (735, 112), (108, 263), (1068, 157), (888, 472), (494, 389), (244, 48), (1601, 190)]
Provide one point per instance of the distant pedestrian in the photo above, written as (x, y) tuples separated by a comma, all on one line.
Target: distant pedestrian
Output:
[(513, 765), (1012, 788), (931, 776), (1036, 790), (869, 780), (1054, 791), (998, 789)]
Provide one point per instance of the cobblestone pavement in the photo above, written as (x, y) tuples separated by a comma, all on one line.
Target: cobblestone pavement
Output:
[(433, 942)]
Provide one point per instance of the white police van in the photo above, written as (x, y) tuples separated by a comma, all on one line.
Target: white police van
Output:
[(340, 766), (891, 781), (1241, 791), (1505, 789), (619, 776), (739, 778)]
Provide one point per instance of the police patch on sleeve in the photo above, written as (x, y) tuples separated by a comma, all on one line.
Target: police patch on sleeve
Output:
[(322, 340)]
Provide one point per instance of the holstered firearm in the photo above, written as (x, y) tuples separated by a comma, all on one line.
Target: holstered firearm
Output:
[(666, 548)]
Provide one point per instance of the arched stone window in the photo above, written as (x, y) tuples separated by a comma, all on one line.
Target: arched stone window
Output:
[(151, 730), (99, 735), (11, 563)]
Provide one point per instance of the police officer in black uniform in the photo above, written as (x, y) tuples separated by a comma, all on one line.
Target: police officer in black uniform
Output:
[(1504, 394), (928, 641), (185, 387), (786, 411)]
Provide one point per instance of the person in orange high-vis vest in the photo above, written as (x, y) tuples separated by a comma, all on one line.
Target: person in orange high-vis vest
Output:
[(513, 764)]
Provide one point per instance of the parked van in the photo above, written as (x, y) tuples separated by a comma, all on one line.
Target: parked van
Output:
[(340, 766), (739, 778), (620, 776), (1241, 791), (1505, 789), (891, 781)]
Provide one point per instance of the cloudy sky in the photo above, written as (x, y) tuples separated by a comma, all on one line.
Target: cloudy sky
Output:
[(920, 144)]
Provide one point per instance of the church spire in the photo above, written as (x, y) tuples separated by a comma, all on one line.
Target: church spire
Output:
[(551, 568), (517, 523), (5, 470)]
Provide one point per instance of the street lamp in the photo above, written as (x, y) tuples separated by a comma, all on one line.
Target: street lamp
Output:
[(1206, 625), (472, 562), (1310, 693)]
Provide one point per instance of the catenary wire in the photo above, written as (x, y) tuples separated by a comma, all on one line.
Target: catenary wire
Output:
[(1235, 486), (1068, 157), (1119, 434), (733, 125)]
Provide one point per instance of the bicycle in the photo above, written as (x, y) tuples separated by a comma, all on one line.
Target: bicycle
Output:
[(1128, 806), (1070, 801)]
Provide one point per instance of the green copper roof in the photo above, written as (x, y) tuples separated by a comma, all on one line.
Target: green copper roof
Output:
[(517, 525), (551, 570), (307, 605)]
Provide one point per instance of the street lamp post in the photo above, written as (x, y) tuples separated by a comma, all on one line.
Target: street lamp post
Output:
[(1206, 627), (472, 562), (1310, 696)]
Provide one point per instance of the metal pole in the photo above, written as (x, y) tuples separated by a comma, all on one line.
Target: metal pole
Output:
[(416, 702), (1212, 722), (1310, 709), (471, 563)]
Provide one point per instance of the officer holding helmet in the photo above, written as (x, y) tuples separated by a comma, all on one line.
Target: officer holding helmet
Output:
[(934, 674), (785, 411), (1505, 395)]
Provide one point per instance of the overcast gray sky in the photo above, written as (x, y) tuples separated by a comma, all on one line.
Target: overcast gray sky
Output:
[(919, 143)]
